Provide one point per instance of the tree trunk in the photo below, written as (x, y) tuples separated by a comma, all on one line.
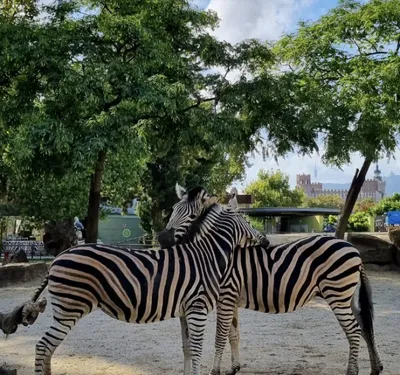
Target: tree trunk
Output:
[(93, 215), (59, 236), (351, 198), (157, 219)]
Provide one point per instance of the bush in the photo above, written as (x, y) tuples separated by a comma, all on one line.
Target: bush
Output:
[(359, 222)]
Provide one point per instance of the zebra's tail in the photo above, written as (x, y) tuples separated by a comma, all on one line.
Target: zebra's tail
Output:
[(39, 290), (365, 315)]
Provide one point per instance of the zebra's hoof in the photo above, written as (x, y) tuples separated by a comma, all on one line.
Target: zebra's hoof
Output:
[(233, 370), (377, 371), (214, 372)]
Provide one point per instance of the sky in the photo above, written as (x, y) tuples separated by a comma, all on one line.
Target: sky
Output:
[(268, 20)]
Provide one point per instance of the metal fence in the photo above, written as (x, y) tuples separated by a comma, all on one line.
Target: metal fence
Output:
[(31, 248)]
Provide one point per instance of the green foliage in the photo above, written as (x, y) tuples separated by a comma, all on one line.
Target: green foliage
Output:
[(332, 220), (387, 204), (257, 223), (125, 79), (359, 222), (272, 189), (345, 70), (366, 205), (325, 201)]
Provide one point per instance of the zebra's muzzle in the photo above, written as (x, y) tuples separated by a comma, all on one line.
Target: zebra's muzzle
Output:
[(166, 238)]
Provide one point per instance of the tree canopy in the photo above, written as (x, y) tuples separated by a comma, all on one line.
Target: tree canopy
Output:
[(344, 73), (117, 103), (325, 201), (387, 204), (272, 189), (121, 99)]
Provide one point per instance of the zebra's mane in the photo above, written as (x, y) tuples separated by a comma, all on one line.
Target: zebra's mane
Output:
[(194, 229), (194, 192)]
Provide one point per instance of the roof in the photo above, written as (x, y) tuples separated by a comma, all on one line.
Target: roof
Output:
[(288, 211), (241, 199)]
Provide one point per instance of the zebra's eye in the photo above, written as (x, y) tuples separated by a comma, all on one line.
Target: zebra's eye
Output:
[(192, 217)]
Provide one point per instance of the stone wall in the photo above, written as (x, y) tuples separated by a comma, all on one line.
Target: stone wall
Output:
[(14, 273)]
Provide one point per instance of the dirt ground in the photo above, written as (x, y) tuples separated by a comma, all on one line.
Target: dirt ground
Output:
[(307, 342)]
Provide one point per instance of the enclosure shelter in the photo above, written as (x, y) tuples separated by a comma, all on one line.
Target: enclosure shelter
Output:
[(289, 220)]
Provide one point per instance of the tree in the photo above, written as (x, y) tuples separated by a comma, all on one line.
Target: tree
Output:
[(388, 204), (325, 201), (344, 73), (108, 84), (272, 189), (359, 222), (365, 205)]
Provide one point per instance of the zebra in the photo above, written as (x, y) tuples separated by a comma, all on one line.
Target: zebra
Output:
[(281, 279), (145, 286)]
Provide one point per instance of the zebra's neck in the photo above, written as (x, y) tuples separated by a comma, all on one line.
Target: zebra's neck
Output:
[(216, 225)]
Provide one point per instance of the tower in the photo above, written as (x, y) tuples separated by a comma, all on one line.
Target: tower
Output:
[(377, 173)]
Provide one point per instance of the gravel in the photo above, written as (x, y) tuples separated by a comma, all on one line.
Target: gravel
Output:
[(307, 342)]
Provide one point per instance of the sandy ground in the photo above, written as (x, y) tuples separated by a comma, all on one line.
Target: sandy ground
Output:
[(307, 342)]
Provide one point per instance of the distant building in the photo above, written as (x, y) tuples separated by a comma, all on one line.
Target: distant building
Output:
[(372, 188)]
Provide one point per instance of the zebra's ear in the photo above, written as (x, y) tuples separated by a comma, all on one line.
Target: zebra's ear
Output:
[(234, 191), (180, 191), (233, 203)]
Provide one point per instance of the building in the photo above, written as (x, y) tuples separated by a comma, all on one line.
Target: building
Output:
[(279, 220), (372, 188)]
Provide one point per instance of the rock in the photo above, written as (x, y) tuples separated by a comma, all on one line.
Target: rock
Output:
[(396, 256), (394, 235), (372, 249), (13, 273), (6, 370), (379, 268), (18, 256)]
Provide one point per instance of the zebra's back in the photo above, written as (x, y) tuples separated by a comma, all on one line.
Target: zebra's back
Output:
[(138, 286), (283, 278)]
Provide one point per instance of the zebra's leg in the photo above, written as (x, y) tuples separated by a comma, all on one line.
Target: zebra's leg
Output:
[(196, 319), (49, 343), (376, 364), (364, 315), (64, 319), (225, 314), (234, 338), (340, 302), (185, 346)]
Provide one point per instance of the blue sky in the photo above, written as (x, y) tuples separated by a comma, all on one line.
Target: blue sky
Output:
[(268, 20)]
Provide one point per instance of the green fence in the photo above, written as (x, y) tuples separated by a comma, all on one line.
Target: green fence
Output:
[(120, 229)]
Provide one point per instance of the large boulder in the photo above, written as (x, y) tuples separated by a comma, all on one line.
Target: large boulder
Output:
[(396, 255), (13, 273), (372, 249), (6, 370), (18, 256), (394, 235)]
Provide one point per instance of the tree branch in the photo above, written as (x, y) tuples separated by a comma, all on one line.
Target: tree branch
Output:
[(184, 110), (398, 46), (107, 8), (198, 103), (113, 103)]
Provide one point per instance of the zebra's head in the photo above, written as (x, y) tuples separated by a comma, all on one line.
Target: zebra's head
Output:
[(192, 203), (193, 207)]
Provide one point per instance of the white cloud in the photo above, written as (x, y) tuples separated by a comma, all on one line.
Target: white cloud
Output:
[(263, 19), (268, 20), (200, 3), (294, 164)]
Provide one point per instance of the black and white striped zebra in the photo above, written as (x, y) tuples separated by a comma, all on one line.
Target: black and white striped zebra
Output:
[(145, 286), (283, 278)]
